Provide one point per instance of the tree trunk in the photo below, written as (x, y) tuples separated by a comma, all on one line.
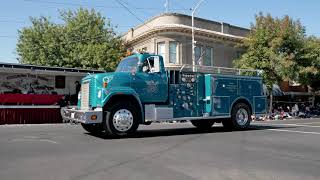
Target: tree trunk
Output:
[(270, 102)]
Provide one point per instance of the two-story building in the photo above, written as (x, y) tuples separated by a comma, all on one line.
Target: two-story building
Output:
[(170, 35)]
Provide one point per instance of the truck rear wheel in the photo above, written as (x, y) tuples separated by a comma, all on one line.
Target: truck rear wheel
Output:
[(203, 124), (121, 119), (240, 117), (95, 129)]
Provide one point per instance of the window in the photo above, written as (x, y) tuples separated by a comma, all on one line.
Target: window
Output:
[(238, 55), (207, 60), (128, 64), (197, 55), (161, 48), (151, 65), (147, 65), (173, 52), (60, 82), (203, 55)]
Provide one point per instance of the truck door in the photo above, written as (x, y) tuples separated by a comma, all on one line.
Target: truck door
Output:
[(151, 81)]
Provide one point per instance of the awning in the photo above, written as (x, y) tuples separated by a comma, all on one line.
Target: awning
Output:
[(298, 93), (276, 90)]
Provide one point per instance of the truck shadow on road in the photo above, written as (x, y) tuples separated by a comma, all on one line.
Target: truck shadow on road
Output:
[(146, 133)]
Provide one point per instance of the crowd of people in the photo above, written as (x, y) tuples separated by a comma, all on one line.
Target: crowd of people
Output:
[(283, 111)]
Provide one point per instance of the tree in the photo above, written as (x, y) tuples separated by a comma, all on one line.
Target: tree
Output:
[(309, 65), (273, 46), (85, 39)]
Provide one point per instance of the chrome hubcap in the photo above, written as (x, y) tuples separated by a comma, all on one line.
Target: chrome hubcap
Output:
[(242, 116), (122, 120)]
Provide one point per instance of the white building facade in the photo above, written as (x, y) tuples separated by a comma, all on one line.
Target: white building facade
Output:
[(170, 36)]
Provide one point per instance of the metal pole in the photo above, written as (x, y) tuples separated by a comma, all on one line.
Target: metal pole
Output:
[(193, 45), (167, 6), (193, 42)]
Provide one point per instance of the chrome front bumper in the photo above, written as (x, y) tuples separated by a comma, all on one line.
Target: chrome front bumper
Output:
[(82, 116)]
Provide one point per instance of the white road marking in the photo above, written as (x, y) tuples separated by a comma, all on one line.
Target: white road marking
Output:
[(298, 125), (33, 138), (310, 123), (303, 132)]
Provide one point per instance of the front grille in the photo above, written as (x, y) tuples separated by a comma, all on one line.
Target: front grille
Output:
[(92, 92), (85, 90)]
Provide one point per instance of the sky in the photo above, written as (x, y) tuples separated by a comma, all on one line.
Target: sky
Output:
[(14, 14)]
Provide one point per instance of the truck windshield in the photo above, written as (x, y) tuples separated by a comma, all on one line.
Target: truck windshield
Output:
[(128, 64)]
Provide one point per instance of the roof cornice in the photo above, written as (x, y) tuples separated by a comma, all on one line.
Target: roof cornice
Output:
[(187, 30), (187, 16)]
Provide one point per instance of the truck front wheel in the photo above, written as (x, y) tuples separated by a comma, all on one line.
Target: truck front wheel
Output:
[(203, 124), (121, 119)]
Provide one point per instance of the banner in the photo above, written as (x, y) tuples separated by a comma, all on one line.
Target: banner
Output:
[(26, 83)]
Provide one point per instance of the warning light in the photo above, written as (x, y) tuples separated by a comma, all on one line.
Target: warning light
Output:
[(94, 117), (105, 84)]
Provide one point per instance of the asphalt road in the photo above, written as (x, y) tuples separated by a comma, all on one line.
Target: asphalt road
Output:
[(270, 150)]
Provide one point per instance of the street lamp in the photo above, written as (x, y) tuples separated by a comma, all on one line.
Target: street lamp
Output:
[(193, 43)]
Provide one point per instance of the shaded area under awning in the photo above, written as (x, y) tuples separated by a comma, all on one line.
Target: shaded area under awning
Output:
[(276, 90)]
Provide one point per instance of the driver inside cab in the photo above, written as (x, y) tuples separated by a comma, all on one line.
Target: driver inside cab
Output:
[(148, 65)]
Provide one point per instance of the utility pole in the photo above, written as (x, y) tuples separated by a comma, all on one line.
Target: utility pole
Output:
[(167, 6), (193, 42)]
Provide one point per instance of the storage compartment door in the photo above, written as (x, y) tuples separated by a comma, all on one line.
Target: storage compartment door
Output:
[(208, 93)]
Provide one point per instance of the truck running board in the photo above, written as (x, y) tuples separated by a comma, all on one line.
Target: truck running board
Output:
[(162, 113)]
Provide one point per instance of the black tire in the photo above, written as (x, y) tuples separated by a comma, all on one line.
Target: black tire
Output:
[(203, 124), (147, 123), (227, 124), (95, 129), (109, 124), (240, 118)]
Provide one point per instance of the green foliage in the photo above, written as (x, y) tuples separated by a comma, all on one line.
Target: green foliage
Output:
[(85, 39), (274, 46), (309, 64)]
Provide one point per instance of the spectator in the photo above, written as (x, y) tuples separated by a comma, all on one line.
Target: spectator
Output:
[(30, 90), (78, 87), (308, 111), (62, 102), (74, 97), (295, 110)]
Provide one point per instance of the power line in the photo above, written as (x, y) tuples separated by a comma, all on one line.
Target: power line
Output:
[(26, 22), (71, 41), (11, 37), (97, 6), (124, 6), (74, 4), (133, 7), (68, 4), (12, 21)]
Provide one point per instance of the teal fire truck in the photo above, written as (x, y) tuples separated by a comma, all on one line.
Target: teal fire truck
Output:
[(142, 91)]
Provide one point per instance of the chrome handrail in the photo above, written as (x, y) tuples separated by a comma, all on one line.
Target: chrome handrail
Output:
[(215, 70)]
